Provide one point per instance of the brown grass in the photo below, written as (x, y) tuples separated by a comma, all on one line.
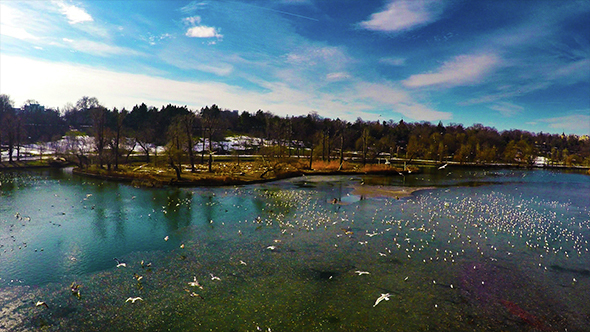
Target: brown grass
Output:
[(377, 168), (333, 165)]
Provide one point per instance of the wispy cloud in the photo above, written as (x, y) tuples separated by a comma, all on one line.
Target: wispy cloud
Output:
[(10, 25), (572, 72), (187, 58), (507, 109), (398, 101), (98, 48), (74, 14), (402, 15), (570, 123), (462, 70), (392, 61), (193, 6), (339, 76), (507, 93)]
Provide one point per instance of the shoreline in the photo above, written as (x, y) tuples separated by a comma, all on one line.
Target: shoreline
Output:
[(214, 179)]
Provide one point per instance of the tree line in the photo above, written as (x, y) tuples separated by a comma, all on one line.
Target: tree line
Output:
[(192, 136)]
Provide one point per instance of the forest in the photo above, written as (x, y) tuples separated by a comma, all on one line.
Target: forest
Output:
[(192, 136)]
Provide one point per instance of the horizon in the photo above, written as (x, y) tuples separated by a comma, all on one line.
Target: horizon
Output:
[(503, 64)]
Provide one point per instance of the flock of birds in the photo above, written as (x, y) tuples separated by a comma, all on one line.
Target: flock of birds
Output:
[(436, 226)]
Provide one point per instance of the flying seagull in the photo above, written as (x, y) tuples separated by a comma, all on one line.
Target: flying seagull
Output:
[(381, 298), (133, 299), (119, 263), (41, 303), (195, 283)]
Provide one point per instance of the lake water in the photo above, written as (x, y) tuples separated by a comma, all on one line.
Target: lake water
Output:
[(475, 250)]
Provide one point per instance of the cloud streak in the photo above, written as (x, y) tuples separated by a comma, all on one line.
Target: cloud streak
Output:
[(462, 70), (507, 109), (570, 123), (403, 15)]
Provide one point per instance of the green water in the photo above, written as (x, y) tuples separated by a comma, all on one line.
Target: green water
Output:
[(478, 251)]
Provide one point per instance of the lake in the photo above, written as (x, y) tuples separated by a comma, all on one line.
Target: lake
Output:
[(446, 250)]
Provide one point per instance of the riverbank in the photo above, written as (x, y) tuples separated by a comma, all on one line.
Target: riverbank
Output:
[(36, 163), (232, 173)]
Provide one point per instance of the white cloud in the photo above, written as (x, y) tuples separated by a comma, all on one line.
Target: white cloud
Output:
[(507, 109), (338, 76), (193, 20), (419, 112), (401, 15), (97, 48), (575, 71), (10, 26), (311, 55), (462, 70), (117, 89), (507, 92), (202, 31), (193, 6), (399, 101), (16, 32), (74, 14), (572, 123), (190, 59)]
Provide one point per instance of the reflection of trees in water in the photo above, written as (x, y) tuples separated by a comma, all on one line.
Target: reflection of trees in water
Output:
[(174, 206)]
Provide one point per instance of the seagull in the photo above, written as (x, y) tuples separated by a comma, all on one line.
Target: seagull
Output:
[(137, 277), (195, 283), (271, 247), (166, 238), (133, 299), (143, 265), (381, 298), (214, 277), (443, 166), (193, 294), (360, 273), (119, 263), (75, 288), (243, 263), (41, 303)]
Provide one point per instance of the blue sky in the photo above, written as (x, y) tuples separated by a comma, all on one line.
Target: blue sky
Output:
[(504, 64)]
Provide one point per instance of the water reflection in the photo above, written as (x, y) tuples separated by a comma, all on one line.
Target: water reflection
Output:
[(504, 256)]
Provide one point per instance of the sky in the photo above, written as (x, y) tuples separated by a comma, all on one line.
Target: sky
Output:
[(516, 64)]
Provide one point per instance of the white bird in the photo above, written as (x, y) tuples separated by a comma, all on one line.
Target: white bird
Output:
[(443, 166), (195, 283), (271, 248), (381, 298), (214, 277), (133, 299), (166, 238), (119, 263), (243, 263), (41, 303), (360, 273)]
